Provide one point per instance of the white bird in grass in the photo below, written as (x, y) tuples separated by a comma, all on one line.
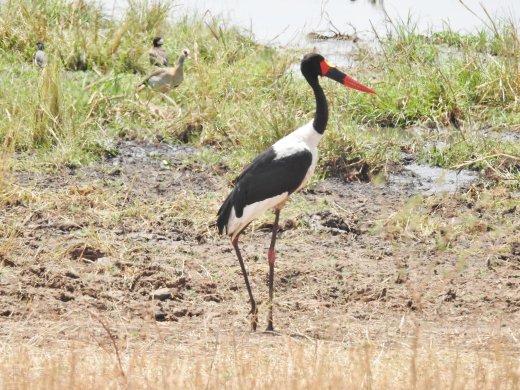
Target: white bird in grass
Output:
[(157, 55), (40, 58), (275, 174)]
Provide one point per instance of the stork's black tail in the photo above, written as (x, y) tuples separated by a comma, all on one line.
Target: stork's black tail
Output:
[(224, 212)]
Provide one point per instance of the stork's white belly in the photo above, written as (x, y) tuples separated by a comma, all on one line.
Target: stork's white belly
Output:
[(252, 211)]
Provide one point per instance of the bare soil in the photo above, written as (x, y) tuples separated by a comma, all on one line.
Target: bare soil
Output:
[(106, 242)]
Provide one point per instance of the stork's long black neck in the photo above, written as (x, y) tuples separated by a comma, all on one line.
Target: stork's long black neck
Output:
[(322, 109)]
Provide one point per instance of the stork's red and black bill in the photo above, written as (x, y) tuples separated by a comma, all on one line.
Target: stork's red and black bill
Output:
[(335, 74)]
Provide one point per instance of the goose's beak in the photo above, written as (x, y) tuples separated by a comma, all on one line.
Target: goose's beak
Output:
[(335, 74)]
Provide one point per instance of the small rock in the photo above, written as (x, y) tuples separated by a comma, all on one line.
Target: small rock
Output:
[(200, 238), (181, 313), (107, 262), (509, 211), (72, 274), (6, 262), (450, 295), (37, 270), (515, 248), (162, 294), (67, 226), (65, 297), (85, 252), (160, 316), (411, 305), (213, 298)]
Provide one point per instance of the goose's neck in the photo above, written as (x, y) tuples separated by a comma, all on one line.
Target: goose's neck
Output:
[(322, 110)]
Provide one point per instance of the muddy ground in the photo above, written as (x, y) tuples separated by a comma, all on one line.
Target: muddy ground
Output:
[(114, 242)]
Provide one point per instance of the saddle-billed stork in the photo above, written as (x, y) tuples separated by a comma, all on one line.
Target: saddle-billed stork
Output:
[(275, 174)]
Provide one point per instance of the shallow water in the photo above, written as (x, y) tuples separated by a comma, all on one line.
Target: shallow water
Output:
[(287, 22), (428, 180)]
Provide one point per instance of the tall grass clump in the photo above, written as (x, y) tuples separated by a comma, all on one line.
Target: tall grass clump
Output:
[(446, 78), (49, 115), (80, 35), (62, 25), (47, 109), (59, 109), (6, 151), (131, 37)]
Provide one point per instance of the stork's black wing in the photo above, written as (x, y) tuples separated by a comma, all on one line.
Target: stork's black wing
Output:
[(267, 176)]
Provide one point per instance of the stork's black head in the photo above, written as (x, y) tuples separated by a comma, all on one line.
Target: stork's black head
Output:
[(39, 45), (310, 65), (314, 65), (157, 42)]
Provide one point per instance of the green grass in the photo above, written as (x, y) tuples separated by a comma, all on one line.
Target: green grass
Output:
[(238, 96)]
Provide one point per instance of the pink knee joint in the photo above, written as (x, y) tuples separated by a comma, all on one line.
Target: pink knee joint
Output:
[(271, 255)]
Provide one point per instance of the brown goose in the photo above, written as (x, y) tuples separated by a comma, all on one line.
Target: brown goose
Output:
[(165, 79), (157, 54)]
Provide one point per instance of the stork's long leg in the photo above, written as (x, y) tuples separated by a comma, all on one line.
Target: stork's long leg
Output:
[(271, 257), (254, 310)]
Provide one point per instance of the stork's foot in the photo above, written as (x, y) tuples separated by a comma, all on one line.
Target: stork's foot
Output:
[(270, 327), (254, 318), (271, 331)]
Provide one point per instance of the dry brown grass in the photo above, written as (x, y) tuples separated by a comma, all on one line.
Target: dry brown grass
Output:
[(6, 151), (249, 361)]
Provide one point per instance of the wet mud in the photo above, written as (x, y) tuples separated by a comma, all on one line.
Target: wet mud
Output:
[(343, 269)]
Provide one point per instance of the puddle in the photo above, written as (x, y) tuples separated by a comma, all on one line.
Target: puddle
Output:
[(509, 136), (427, 180), (137, 152), (439, 136)]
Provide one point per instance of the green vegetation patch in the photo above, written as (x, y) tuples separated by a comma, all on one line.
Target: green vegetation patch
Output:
[(239, 97)]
